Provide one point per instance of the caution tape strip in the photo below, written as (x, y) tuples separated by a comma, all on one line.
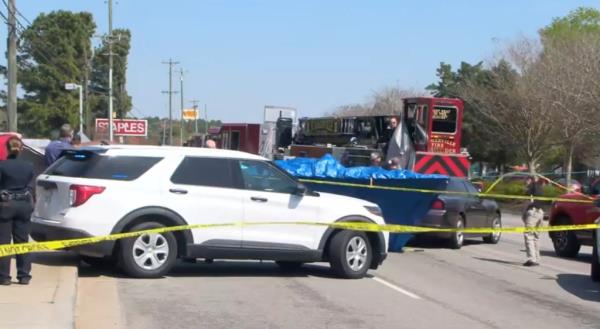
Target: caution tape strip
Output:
[(418, 190), (23, 248)]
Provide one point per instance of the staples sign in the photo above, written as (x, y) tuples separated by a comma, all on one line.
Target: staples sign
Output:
[(123, 127)]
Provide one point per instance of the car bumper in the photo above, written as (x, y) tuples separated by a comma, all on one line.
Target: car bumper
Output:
[(44, 232), (436, 219)]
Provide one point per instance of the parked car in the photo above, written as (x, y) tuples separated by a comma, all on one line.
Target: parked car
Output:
[(595, 268), (100, 191), (568, 243), (575, 185), (463, 211)]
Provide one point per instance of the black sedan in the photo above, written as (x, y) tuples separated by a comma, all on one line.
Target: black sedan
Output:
[(462, 210)]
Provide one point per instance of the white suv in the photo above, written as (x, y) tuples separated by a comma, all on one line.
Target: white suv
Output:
[(99, 191)]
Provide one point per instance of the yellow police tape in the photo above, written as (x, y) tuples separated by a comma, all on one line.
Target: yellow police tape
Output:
[(23, 248), (418, 190)]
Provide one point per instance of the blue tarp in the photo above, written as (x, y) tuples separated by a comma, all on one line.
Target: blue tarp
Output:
[(398, 207), (329, 167)]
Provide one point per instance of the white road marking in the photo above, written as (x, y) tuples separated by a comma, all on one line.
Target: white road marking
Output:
[(398, 289)]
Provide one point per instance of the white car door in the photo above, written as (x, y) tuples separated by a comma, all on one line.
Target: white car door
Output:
[(203, 191), (271, 195)]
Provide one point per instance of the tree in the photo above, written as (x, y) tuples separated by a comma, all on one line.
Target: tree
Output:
[(99, 78), (477, 136), (569, 71), (53, 51), (514, 103), (386, 101)]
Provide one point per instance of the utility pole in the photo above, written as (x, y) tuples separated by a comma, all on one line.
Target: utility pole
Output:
[(110, 73), (206, 118), (11, 106), (170, 92), (181, 112), (195, 106)]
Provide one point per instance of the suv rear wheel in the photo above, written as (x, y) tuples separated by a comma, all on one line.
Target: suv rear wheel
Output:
[(150, 255), (565, 243), (350, 254)]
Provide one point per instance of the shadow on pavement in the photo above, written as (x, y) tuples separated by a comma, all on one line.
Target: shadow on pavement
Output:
[(433, 243), (580, 285), (54, 258), (499, 261), (220, 269), (582, 257)]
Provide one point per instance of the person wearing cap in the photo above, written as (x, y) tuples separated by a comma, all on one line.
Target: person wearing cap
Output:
[(533, 217), (16, 206), (393, 163), (376, 159), (55, 148), (211, 144)]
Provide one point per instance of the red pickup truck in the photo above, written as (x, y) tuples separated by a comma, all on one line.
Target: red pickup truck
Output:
[(568, 243)]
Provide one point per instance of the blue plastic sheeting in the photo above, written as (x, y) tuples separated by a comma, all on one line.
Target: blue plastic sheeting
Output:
[(329, 167), (398, 207)]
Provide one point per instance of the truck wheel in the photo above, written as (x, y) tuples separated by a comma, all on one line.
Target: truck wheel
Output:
[(565, 242), (595, 272), (350, 254), (458, 238), (494, 238), (150, 255)]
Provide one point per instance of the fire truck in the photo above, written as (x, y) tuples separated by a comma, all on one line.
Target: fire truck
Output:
[(427, 138)]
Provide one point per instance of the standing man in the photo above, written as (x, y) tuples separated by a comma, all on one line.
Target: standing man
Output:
[(55, 148), (533, 217)]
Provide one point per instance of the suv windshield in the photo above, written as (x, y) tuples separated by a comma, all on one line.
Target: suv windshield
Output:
[(91, 165)]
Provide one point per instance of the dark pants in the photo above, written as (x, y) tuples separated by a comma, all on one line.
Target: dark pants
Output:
[(15, 223)]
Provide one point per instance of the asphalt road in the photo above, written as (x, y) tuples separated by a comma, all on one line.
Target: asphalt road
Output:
[(479, 286)]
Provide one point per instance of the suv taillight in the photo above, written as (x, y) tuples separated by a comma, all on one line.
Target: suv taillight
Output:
[(438, 205), (79, 194)]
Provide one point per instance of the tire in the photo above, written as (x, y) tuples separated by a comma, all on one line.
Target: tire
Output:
[(289, 265), (458, 238), (494, 238), (350, 243), (565, 243), (595, 268), (97, 262), (159, 251)]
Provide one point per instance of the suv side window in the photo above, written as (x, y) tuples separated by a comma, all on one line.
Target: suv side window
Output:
[(211, 172), (261, 176)]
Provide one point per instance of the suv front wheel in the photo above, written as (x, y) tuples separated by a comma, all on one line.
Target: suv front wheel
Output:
[(350, 254), (150, 255)]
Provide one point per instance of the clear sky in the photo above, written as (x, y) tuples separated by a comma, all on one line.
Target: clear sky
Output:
[(310, 54)]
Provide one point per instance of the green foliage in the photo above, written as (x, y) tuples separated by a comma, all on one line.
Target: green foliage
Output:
[(54, 50), (99, 76), (581, 21), (478, 134)]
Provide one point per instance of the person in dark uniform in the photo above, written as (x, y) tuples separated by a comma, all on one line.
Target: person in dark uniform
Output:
[(16, 206)]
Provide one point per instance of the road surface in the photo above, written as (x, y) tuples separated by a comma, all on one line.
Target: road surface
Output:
[(479, 286)]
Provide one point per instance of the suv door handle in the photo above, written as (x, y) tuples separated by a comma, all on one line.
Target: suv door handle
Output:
[(178, 191), (258, 199)]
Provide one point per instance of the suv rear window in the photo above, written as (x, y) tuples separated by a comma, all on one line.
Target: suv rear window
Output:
[(211, 172), (86, 165)]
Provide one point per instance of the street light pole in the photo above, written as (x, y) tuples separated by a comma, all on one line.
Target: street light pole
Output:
[(73, 86)]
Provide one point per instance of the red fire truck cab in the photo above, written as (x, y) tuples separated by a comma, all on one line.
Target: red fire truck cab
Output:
[(435, 126)]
